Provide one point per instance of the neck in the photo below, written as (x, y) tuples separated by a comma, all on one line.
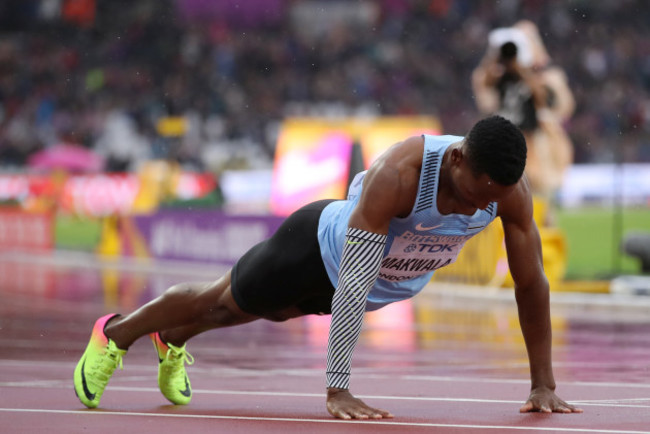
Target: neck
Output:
[(447, 201)]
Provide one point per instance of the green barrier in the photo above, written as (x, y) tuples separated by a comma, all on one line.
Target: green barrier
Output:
[(73, 232), (593, 240)]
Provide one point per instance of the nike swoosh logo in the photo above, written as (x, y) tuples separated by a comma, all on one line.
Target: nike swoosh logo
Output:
[(476, 227), (187, 392), (354, 242), (87, 392), (419, 227)]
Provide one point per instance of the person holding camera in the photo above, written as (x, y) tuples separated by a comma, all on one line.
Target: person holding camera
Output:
[(517, 80)]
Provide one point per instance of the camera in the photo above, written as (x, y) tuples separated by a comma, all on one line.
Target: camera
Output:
[(508, 51), (511, 43)]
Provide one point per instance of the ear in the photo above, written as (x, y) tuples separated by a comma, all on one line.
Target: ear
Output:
[(457, 156)]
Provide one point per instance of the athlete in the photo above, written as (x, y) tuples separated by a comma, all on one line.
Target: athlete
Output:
[(407, 216)]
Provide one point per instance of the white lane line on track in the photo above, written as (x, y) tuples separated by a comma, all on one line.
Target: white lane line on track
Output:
[(386, 397), (331, 421), (617, 401), (611, 403), (633, 402)]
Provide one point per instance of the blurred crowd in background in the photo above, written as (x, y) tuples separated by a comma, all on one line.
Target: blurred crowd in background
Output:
[(207, 83)]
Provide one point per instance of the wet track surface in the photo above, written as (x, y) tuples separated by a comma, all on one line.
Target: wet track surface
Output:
[(451, 359)]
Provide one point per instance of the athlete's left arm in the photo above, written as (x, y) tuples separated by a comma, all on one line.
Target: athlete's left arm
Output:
[(524, 250)]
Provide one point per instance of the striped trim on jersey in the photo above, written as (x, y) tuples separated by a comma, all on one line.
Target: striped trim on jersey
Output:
[(429, 177), (360, 263)]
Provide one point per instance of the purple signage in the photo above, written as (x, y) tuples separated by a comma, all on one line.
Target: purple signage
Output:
[(248, 13), (204, 235)]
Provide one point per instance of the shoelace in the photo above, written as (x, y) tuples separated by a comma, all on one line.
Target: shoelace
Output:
[(104, 366), (178, 355)]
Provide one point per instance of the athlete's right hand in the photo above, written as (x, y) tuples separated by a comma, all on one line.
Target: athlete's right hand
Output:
[(341, 404)]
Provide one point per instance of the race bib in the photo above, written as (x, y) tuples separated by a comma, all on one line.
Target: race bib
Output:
[(412, 255)]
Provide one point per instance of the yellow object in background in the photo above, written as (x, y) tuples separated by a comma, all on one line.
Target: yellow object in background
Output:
[(157, 179), (110, 243), (172, 126)]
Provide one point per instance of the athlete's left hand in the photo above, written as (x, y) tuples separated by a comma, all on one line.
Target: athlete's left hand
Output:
[(545, 400)]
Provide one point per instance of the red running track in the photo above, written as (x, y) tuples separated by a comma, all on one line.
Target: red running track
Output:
[(452, 361)]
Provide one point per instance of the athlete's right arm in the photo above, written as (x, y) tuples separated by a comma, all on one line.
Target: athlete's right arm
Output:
[(387, 189)]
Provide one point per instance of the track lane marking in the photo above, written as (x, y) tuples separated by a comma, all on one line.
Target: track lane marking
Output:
[(331, 421), (611, 403)]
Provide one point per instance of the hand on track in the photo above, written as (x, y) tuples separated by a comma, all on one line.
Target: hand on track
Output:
[(545, 400)]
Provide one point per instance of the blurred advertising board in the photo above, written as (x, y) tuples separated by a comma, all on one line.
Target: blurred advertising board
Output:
[(312, 162), (198, 235), (100, 195), (314, 156), (19, 187), (606, 184), (246, 191), (104, 194), (20, 230)]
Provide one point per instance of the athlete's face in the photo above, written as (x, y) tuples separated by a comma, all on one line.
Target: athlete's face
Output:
[(474, 191)]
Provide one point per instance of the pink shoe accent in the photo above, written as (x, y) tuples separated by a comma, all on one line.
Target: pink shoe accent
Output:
[(98, 330), (161, 347)]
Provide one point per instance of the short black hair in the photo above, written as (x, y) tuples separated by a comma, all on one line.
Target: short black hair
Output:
[(496, 147)]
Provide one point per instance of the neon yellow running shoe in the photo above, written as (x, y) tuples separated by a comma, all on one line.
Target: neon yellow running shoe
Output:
[(97, 364), (172, 378)]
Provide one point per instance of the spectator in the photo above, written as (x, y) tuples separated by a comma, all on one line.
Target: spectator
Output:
[(246, 70), (517, 80)]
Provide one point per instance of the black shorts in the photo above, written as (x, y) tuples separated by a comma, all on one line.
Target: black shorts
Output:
[(285, 270)]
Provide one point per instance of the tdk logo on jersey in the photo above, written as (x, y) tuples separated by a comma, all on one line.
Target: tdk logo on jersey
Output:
[(430, 248), (436, 248)]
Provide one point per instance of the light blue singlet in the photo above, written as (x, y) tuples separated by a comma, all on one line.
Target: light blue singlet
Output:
[(417, 245)]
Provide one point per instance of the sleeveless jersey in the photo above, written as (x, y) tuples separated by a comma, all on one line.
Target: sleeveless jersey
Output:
[(417, 245)]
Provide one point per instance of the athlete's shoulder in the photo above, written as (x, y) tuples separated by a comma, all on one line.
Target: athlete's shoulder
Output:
[(517, 206), (442, 137), (433, 143), (401, 157), (390, 185)]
